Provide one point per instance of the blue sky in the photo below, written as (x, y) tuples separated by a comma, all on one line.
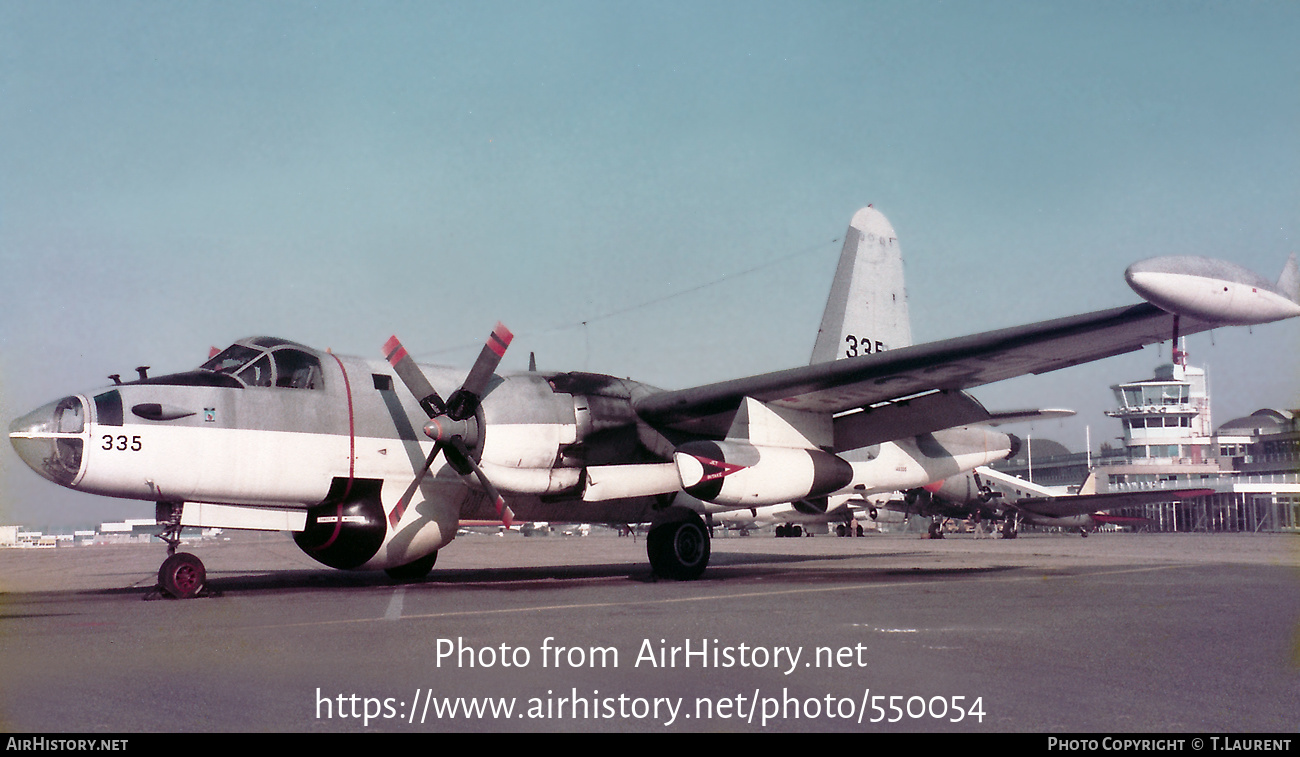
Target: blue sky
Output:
[(179, 175)]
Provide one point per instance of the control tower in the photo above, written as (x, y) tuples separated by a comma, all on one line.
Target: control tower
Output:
[(1166, 418)]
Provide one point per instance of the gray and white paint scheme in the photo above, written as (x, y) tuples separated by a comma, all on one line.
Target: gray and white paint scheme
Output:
[(356, 458)]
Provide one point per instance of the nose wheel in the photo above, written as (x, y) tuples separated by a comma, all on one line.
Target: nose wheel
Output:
[(182, 575)]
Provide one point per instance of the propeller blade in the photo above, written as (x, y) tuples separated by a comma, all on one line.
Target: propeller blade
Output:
[(465, 400), (503, 511), (449, 434), (413, 377), (396, 515)]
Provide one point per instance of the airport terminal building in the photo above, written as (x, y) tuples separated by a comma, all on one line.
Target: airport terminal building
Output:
[(1251, 463)]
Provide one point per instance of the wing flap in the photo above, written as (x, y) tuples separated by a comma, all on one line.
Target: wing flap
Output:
[(905, 418)]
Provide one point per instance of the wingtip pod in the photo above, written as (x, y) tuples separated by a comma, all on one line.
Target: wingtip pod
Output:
[(1215, 290)]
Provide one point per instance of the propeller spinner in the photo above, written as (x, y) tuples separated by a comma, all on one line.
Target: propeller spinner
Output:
[(450, 423)]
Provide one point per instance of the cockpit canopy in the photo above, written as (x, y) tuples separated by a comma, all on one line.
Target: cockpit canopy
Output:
[(268, 361)]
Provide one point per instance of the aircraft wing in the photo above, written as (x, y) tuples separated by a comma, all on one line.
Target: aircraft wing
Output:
[(951, 364), (1082, 504)]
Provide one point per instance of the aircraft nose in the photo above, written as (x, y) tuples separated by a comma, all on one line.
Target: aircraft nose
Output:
[(51, 438)]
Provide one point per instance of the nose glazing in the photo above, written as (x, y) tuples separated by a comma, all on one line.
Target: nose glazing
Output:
[(51, 438)]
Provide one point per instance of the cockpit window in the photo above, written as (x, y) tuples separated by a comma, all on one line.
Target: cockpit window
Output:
[(296, 369), (231, 359), (277, 365), (257, 374), (268, 341)]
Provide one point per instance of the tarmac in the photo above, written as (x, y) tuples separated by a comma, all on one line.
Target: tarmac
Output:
[(1047, 633)]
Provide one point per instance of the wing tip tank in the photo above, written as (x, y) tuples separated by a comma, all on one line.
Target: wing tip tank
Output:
[(1215, 290)]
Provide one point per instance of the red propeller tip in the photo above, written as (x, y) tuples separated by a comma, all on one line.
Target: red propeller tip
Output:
[(500, 339)]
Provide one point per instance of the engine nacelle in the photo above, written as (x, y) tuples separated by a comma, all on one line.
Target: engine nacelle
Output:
[(747, 475)]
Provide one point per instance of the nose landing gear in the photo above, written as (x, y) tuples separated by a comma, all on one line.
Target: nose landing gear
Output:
[(182, 575)]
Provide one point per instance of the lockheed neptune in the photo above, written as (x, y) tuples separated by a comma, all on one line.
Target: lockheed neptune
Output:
[(371, 464)]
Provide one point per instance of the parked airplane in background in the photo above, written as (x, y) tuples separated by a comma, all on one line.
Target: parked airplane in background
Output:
[(986, 495), (791, 519), (270, 434)]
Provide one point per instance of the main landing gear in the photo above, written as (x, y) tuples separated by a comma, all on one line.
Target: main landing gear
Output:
[(182, 575), (679, 549), (1010, 528)]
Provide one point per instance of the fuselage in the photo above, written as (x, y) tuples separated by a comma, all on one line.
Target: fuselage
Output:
[(271, 426)]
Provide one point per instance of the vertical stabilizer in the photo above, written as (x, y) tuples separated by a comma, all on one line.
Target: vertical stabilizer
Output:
[(867, 309), (1288, 284)]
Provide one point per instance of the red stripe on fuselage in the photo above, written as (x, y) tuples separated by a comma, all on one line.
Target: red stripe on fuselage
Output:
[(352, 456)]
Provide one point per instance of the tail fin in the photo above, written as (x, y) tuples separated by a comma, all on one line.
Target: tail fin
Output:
[(867, 308), (1288, 284)]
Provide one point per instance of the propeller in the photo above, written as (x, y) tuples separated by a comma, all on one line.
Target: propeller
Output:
[(451, 422), (986, 492)]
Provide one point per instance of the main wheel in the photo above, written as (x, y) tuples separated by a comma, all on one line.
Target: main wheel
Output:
[(182, 575), (680, 549), (413, 571)]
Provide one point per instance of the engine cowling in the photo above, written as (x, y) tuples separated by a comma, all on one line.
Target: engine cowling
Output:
[(748, 475)]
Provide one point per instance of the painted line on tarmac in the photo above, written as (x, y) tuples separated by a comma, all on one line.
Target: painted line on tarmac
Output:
[(721, 597), (394, 611)]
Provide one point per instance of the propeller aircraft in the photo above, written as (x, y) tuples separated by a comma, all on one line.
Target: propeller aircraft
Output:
[(987, 495), (369, 467)]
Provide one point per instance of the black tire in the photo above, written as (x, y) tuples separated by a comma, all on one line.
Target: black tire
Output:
[(182, 576), (413, 571), (680, 549)]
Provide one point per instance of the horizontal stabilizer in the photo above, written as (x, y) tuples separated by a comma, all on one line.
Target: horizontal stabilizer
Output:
[(1023, 416)]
